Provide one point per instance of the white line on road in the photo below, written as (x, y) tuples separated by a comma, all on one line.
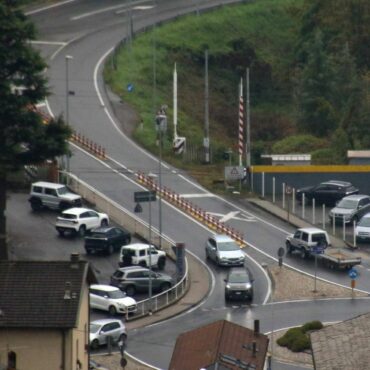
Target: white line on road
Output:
[(229, 216), (39, 10), (39, 42)]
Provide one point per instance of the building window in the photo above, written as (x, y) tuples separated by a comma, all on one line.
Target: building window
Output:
[(12, 361)]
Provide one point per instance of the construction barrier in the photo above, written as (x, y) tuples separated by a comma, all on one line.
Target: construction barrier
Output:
[(89, 145)]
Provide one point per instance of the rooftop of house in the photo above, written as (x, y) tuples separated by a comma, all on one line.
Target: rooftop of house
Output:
[(222, 345), (42, 294), (345, 345)]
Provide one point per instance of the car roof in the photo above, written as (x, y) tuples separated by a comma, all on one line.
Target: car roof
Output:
[(107, 288), (337, 182), (137, 246), (76, 210), (52, 185), (105, 321), (312, 230), (222, 238), (357, 196)]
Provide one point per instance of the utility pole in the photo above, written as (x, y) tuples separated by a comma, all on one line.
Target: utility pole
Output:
[(67, 59), (206, 112)]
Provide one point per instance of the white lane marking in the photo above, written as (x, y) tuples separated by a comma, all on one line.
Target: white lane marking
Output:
[(229, 216), (203, 195), (118, 12), (39, 42), (316, 300), (243, 218), (39, 10), (124, 8)]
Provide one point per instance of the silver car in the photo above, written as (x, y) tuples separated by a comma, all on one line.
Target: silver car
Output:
[(350, 209), (100, 330), (224, 251)]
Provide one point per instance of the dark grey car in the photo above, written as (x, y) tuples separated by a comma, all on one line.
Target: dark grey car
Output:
[(239, 284), (136, 279), (350, 209)]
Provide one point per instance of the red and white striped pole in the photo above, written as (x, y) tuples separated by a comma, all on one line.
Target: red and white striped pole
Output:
[(241, 124)]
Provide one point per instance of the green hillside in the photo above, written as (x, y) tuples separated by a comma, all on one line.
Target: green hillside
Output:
[(309, 71)]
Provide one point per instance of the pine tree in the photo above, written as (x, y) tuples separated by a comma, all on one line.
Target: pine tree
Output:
[(24, 138)]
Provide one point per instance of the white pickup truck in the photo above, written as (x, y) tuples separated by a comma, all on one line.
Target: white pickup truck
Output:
[(144, 255), (312, 241)]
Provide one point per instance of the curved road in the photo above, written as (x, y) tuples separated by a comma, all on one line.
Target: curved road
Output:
[(88, 30)]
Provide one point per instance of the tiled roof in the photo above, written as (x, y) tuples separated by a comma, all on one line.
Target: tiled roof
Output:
[(218, 345), (345, 345), (33, 294)]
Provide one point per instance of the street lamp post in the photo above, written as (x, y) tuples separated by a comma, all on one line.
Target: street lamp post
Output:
[(67, 59)]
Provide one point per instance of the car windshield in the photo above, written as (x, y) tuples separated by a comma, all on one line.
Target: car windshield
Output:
[(98, 235), (117, 294), (238, 278), (94, 328), (63, 190), (227, 246), (347, 204), (365, 221)]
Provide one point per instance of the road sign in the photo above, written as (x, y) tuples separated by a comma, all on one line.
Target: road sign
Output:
[(353, 274), (234, 172), (144, 196), (130, 87), (288, 190)]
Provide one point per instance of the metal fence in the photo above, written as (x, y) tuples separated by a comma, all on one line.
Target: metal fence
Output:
[(132, 223)]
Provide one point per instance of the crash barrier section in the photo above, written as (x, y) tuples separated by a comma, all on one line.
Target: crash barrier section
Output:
[(191, 209), (134, 225), (89, 145)]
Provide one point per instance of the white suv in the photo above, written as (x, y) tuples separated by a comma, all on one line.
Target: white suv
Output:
[(111, 299), (142, 255), (53, 196), (80, 220)]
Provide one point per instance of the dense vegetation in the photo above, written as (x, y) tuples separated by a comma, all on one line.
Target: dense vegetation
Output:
[(309, 68)]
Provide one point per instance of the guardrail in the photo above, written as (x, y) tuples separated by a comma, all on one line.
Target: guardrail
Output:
[(132, 223)]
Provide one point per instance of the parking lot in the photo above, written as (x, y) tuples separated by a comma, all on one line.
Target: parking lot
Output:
[(32, 236)]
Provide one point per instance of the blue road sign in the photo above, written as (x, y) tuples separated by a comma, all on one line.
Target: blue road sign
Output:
[(353, 274), (130, 87)]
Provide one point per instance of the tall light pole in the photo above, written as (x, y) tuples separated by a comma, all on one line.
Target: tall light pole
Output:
[(67, 59), (206, 112)]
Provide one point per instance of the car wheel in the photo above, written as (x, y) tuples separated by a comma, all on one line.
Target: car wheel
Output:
[(161, 263), (130, 290), (165, 286), (142, 263), (94, 344), (112, 310), (82, 230), (217, 261), (207, 254), (110, 249), (289, 247), (104, 223), (303, 253), (36, 204)]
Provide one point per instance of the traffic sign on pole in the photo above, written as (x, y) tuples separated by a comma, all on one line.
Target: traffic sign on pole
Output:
[(353, 274), (144, 196)]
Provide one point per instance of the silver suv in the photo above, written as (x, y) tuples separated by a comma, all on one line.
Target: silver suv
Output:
[(224, 251), (350, 209), (136, 279), (53, 196)]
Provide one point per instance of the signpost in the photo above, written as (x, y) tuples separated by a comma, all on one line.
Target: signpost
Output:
[(140, 197), (281, 252), (317, 249), (288, 192)]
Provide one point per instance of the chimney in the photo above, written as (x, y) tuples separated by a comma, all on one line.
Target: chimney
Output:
[(256, 328), (67, 291), (75, 259)]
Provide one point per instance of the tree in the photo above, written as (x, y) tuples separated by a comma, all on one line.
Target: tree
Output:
[(24, 139), (315, 110)]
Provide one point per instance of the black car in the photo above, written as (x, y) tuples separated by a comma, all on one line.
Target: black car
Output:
[(106, 239), (239, 284), (328, 192)]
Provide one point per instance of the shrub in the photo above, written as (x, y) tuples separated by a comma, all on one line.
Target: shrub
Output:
[(290, 337), (298, 144), (301, 343), (312, 325)]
